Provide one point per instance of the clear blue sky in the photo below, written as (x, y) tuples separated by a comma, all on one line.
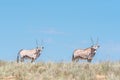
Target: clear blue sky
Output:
[(63, 25)]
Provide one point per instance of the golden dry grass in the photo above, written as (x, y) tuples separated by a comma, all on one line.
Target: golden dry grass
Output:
[(59, 71)]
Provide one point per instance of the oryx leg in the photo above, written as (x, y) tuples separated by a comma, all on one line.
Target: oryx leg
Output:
[(89, 60), (32, 60), (22, 59), (76, 59)]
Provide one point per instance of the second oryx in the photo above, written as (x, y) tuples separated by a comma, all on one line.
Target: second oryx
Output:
[(32, 54), (86, 54)]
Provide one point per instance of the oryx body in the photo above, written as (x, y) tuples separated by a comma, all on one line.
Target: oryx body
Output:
[(32, 54)]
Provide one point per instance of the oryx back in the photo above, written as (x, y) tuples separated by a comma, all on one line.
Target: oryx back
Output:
[(82, 53), (29, 53)]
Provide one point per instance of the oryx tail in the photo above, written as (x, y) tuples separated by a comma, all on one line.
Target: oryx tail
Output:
[(18, 55)]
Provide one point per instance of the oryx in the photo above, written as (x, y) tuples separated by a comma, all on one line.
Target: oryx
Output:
[(32, 54), (86, 54)]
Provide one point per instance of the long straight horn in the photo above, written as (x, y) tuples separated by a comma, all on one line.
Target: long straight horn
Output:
[(97, 40), (37, 43), (92, 41), (42, 42)]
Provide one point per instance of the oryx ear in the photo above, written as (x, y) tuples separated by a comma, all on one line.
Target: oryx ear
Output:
[(42, 47), (98, 46), (36, 47)]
